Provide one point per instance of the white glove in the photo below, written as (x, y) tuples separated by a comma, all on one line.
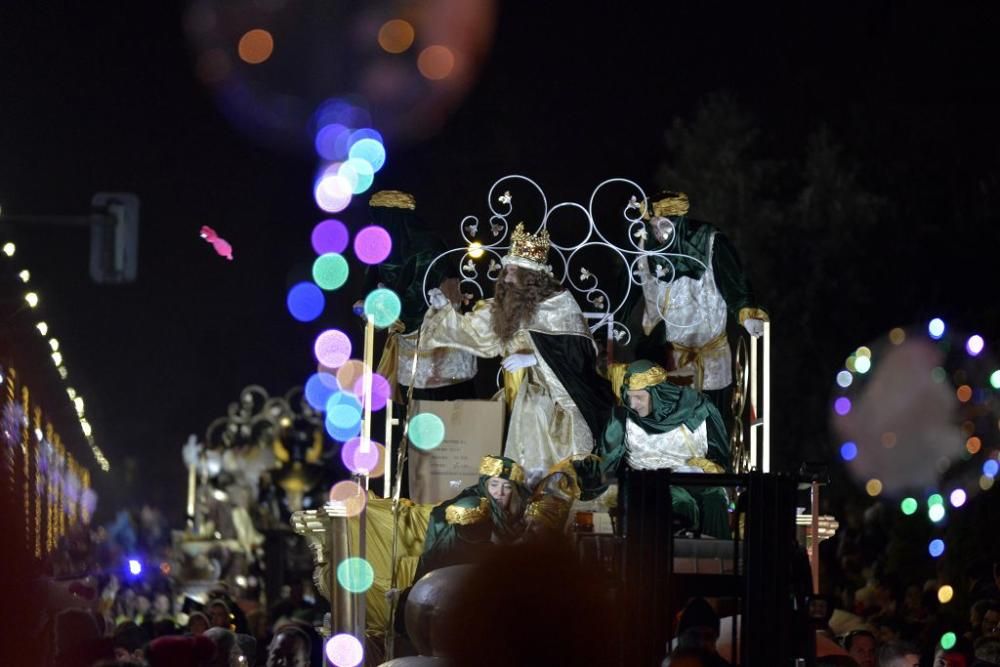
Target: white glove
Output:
[(519, 360), (437, 298), (754, 326)]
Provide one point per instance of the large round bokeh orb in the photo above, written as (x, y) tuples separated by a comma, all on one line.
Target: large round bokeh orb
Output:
[(283, 72), (915, 413), (426, 430), (383, 306)]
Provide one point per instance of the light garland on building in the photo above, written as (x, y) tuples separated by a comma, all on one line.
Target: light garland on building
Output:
[(33, 299)]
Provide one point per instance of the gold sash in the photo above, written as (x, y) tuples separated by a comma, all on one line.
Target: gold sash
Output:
[(695, 355)]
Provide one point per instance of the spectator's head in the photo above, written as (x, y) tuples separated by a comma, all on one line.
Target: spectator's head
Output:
[(836, 660), (198, 623), (180, 651), (161, 604), (987, 649), (128, 642), (990, 626), (226, 649), (887, 629), (899, 654), (862, 646), (247, 646), (219, 615), (258, 624), (289, 648), (951, 658), (163, 628), (689, 656), (78, 639), (976, 612)]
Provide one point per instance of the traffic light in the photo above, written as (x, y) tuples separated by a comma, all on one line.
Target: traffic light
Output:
[(114, 237)]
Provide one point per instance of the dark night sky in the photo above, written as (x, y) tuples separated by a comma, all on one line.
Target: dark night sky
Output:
[(100, 98)]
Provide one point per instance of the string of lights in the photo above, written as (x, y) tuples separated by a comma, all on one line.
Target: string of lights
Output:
[(32, 299)]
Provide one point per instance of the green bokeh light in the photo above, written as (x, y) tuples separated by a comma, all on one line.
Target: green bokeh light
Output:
[(995, 380), (330, 271), (383, 307), (935, 499), (948, 640), (909, 506), (355, 574), (426, 430)]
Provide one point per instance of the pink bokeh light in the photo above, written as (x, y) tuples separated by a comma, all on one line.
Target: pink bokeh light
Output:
[(372, 244), (380, 391), (332, 348)]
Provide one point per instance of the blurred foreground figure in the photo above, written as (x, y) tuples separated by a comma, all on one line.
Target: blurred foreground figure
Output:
[(531, 604)]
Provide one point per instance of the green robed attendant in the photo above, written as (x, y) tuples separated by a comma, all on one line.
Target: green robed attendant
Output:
[(662, 425), (489, 512)]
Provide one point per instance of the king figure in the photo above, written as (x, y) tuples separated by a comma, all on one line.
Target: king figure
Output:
[(558, 402)]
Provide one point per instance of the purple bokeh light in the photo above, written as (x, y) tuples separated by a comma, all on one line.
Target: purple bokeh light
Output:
[(380, 391), (357, 460), (330, 236), (842, 406)]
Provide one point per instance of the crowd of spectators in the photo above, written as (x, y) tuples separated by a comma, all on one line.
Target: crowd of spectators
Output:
[(111, 595)]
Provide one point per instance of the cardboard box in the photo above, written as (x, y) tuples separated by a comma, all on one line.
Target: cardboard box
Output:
[(472, 429)]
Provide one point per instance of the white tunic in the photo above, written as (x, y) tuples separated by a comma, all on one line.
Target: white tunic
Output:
[(656, 451), (694, 314), (438, 367)]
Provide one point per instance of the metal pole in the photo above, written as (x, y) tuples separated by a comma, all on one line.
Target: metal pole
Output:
[(766, 423), (369, 360), (387, 477), (754, 405), (814, 548)]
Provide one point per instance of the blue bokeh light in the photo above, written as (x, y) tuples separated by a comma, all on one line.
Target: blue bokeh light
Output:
[(305, 301), (318, 390), (848, 451), (369, 150), (935, 548)]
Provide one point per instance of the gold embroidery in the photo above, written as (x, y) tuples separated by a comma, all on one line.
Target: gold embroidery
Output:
[(465, 516), (494, 467), (511, 384), (753, 314), (393, 199), (549, 511), (707, 465), (647, 378)]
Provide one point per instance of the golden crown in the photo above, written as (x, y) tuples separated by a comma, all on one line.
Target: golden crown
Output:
[(532, 247)]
